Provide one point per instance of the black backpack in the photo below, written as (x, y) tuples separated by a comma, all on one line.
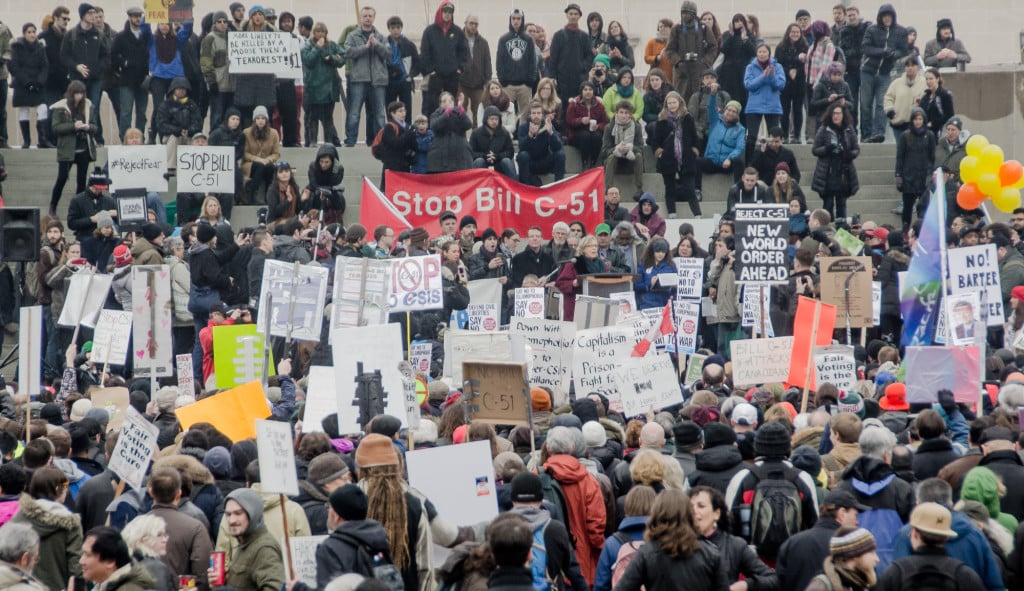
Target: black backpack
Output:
[(929, 575), (376, 565), (776, 509)]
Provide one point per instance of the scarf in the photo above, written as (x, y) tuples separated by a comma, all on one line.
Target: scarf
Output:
[(166, 47), (502, 102), (594, 265), (660, 39), (850, 578), (919, 130), (572, 28), (677, 144), (624, 133), (624, 91)]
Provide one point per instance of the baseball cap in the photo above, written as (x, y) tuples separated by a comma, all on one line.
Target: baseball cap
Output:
[(880, 233), (932, 518), (602, 229), (526, 488), (744, 414), (842, 499)]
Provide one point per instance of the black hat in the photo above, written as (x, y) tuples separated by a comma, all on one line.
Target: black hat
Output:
[(446, 214), (772, 441), (808, 459), (51, 414), (466, 221), (711, 72), (151, 232), (488, 233), (956, 122), (527, 488), (687, 434), (802, 12), (573, 6), (84, 9), (944, 23), (717, 434), (205, 233), (350, 502), (843, 499), (219, 308)]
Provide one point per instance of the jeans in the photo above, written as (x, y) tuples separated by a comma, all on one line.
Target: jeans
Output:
[(792, 106), (872, 115), (129, 97), (439, 83), (834, 204), (552, 162), (219, 103), (94, 92), (360, 93), (400, 90), (504, 166), (680, 187)]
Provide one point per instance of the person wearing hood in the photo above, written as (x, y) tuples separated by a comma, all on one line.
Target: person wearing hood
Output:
[(323, 190), (622, 141), (254, 563), (692, 49), (213, 62), (516, 61), (42, 508), (999, 446), (884, 45), (945, 50), (764, 79), (828, 89), (491, 144), (718, 462), (443, 55), (29, 67), (321, 59), (915, 159), (129, 60), (646, 219)]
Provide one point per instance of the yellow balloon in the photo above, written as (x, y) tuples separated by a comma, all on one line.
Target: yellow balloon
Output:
[(976, 144), (970, 169), (988, 184), (1018, 185), (1006, 200), (991, 159)]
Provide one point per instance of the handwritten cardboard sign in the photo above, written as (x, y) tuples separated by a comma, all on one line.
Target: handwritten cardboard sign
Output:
[(277, 458), (110, 339), (206, 169), (501, 395), (760, 361), (136, 445), (840, 273)]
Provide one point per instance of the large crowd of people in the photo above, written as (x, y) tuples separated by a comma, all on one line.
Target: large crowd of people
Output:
[(748, 489)]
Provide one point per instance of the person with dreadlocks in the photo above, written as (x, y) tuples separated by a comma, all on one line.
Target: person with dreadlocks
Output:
[(411, 521)]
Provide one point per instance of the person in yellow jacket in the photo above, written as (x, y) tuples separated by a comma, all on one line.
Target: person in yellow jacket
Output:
[(624, 90)]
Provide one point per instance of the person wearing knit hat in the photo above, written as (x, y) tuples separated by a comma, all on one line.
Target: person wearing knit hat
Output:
[(418, 239), (205, 233), (376, 450), (594, 434), (540, 400), (85, 8), (103, 220), (853, 555), (736, 106), (772, 441), (716, 435), (122, 256), (217, 460), (603, 60)]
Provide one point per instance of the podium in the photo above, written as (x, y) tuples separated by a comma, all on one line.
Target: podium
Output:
[(604, 284)]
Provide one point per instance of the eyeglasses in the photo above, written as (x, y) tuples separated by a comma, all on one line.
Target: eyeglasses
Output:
[(222, 20)]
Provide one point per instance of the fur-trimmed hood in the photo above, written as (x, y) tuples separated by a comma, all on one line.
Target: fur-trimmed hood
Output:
[(199, 473), (47, 516)]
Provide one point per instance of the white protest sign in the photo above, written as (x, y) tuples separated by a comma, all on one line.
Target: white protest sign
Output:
[(421, 354), (30, 350), (876, 302), (976, 269), (152, 315), (483, 312), (551, 346), (529, 302), (760, 361), (836, 365), (297, 304), (303, 558), (598, 351), (627, 299), (137, 167), (360, 292), (467, 345), (206, 169), (687, 319), (691, 277), (87, 294), (460, 477), (135, 448), (483, 317), (762, 243), (376, 348), (321, 398), (277, 458), (260, 52), (752, 310), (646, 383), (415, 284), (412, 406), (963, 325), (110, 340), (186, 380)]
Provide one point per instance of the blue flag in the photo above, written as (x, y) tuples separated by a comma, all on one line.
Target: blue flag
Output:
[(920, 300)]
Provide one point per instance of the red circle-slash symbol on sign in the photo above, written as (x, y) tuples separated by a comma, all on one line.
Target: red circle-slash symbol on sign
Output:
[(536, 307), (490, 324), (689, 327), (409, 275)]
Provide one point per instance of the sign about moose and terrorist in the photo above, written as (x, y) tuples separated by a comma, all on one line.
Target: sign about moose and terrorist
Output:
[(762, 238), (206, 169), (976, 269), (260, 52)]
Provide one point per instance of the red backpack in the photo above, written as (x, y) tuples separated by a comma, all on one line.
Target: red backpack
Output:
[(378, 139)]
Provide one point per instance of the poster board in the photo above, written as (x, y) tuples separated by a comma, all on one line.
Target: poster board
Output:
[(462, 345), (136, 446), (30, 350), (421, 355), (360, 296), (234, 412), (836, 365), (238, 355), (409, 398), (501, 393), (277, 458), (87, 293), (110, 339), (116, 402), (760, 361), (415, 284), (529, 302), (132, 209), (299, 292), (264, 52), (484, 310), (804, 337), (137, 167), (964, 325), (460, 477), (930, 369), (762, 243), (206, 169), (321, 398), (687, 321), (976, 269), (597, 352), (835, 272), (377, 348), (690, 280), (646, 383), (303, 558), (152, 317), (551, 348), (593, 312)]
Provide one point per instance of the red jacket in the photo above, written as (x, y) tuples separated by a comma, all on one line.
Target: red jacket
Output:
[(206, 342), (586, 512), (576, 111)]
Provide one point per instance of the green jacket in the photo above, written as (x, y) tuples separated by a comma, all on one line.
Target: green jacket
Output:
[(63, 123), (61, 533), (982, 485), (130, 577), (256, 563), (1011, 273), (612, 97), (320, 73)]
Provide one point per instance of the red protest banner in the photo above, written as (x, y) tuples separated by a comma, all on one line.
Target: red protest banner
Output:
[(495, 200)]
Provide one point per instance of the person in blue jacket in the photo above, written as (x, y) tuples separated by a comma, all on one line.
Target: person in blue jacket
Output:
[(164, 63), (726, 135), (764, 81), (639, 501), (654, 262)]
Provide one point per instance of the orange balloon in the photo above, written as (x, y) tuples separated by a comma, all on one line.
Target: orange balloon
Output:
[(1010, 173), (969, 197)]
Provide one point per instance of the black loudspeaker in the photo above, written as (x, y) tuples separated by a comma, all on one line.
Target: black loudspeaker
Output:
[(19, 234)]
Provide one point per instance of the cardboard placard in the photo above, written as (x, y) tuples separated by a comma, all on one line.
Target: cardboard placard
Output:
[(930, 369), (415, 284), (836, 365), (260, 52), (690, 281), (238, 355), (976, 269), (137, 167), (186, 379), (377, 348), (297, 304), (136, 446), (694, 368), (597, 352), (206, 169), (762, 243), (460, 477), (760, 361), (551, 348), (529, 302), (152, 317), (836, 274), (321, 398), (30, 350), (234, 412), (110, 339), (647, 383), (303, 558), (87, 293), (277, 458), (116, 402), (687, 320), (500, 392), (360, 292)]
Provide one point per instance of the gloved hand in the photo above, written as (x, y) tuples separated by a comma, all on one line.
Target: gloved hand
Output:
[(899, 183), (821, 236), (890, 114)]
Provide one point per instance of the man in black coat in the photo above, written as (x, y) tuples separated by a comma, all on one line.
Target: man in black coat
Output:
[(129, 58), (802, 556), (1000, 448), (491, 144), (327, 473), (768, 155), (533, 260), (571, 55), (720, 459), (85, 206), (85, 56), (443, 51)]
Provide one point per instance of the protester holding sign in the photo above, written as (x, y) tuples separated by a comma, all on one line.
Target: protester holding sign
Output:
[(654, 267), (259, 89)]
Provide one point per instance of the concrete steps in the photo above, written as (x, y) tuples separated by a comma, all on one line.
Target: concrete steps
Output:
[(31, 174)]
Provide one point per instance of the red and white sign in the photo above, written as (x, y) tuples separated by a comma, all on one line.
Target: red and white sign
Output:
[(687, 316), (494, 200), (416, 284)]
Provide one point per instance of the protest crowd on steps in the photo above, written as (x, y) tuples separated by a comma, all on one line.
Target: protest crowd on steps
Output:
[(906, 475)]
